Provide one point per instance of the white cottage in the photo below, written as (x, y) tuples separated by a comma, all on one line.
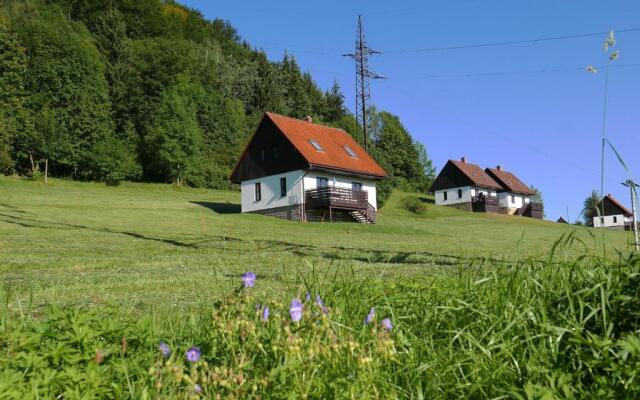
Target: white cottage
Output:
[(515, 197), (466, 186), (303, 171), (615, 215)]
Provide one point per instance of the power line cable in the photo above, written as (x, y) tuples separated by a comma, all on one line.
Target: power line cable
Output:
[(507, 73), (509, 43)]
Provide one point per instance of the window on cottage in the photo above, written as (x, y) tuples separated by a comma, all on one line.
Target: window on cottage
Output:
[(262, 153), (322, 182), (356, 186), (513, 199), (257, 191), (316, 145), (283, 187), (445, 195), (349, 151), (275, 151), (459, 193), (615, 220)]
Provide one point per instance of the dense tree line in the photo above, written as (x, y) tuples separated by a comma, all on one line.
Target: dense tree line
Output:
[(150, 90)]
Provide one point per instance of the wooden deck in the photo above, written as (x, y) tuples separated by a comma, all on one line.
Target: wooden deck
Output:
[(485, 204), (355, 202)]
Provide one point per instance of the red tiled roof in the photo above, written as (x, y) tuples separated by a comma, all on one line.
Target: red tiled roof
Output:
[(476, 175), (509, 181), (332, 141), (622, 208)]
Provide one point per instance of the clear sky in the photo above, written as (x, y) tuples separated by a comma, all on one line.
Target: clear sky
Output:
[(530, 107)]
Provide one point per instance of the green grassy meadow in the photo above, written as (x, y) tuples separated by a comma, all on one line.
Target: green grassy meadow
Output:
[(482, 306)]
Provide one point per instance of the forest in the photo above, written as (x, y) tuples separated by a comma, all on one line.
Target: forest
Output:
[(151, 91)]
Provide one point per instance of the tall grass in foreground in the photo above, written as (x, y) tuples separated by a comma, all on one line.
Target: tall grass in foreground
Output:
[(566, 329)]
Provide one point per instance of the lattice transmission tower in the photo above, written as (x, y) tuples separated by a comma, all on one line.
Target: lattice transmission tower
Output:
[(363, 75)]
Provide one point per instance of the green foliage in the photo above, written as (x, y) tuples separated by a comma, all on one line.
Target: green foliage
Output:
[(590, 208), (552, 330), (414, 204), (176, 138), (77, 73), (112, 161)]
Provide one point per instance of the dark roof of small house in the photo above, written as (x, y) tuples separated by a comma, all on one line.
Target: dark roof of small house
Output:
[(509, 181), (623, 210), (475, 176), (562, 221)]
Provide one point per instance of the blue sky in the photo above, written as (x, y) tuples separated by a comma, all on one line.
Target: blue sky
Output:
[(490, 104)]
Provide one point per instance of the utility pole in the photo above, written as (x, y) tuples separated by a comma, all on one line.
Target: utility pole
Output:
[(634, 206), (363, 75)]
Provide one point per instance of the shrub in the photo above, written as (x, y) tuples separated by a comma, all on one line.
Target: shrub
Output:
[(111, 162), (414, 204)]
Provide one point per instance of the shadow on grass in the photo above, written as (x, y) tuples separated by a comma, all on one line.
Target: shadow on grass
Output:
[(219, 208), (36, 223)]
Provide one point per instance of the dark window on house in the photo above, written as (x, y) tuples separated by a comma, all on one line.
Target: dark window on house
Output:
[(257, 191), (316, 145), (262, 153), (275, 151), (283, 187), (459, 193), (349, 151), (513, 199), (322, 182), (356, 186), (615, 220), (445, 195)]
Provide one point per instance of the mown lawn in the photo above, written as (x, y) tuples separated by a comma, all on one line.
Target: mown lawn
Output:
[(69, 242), (95, 279)]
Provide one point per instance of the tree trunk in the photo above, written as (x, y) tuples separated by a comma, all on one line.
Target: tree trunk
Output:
[(46, 170), (33, 166)]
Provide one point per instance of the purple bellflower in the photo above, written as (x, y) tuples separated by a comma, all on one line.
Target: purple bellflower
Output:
[(193, 354), (370, 316), (296, 310), (248, 279)]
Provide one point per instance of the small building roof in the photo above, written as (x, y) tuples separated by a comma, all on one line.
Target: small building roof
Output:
[(462, 173), (509, 181), (612, 205), (562, 221), (337, 149), (313, 146)]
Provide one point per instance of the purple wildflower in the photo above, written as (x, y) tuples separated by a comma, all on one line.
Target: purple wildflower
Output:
[(320, 304), (296, 310), (193, 354), (265, 314), (248, 279), (308, 296), (197, 388), (165, 350), (370, 316), (387, 325)]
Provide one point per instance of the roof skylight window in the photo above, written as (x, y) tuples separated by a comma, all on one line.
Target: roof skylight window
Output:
[(316, 145), (350, 151)]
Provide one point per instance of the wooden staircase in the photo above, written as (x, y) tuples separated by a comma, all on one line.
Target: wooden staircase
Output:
[(367, 216)]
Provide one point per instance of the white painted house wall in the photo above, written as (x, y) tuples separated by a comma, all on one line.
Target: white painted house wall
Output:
[(452, 196), (611, 221), (467, 193), (297, 184), (342, 181), (270, 188), (504, 199)]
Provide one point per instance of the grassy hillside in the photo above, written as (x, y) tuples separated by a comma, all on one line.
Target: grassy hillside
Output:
[(462, 305), (156, 244)]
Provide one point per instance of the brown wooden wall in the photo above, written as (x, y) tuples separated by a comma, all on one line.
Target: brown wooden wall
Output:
[(251, 165)]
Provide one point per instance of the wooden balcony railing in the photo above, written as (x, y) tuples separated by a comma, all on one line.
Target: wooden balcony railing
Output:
[(485, 204), (346, 199)]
